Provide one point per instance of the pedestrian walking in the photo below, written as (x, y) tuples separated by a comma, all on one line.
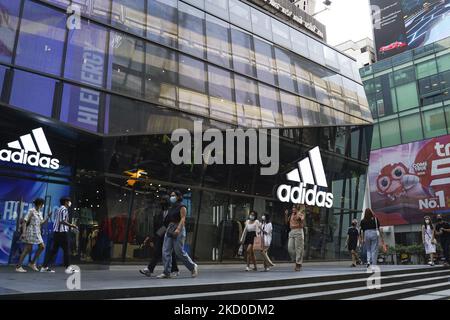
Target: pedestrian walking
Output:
[(442, 230), (352, 242), (370, 236), (160, 224), (428, 239), (31, 235), (248, 237), (175, 237), (296, 242), (266, 230), (61, 228)]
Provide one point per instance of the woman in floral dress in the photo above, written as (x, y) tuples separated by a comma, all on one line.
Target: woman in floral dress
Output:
[(32, 234)]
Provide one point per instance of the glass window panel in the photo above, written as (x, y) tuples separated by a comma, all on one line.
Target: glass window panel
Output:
[(331, 58), (240, 14), (192, 92), (162, 21), (411, 128), (191, 34), (285, 70), (261, 23), (85, 57), (299, 43), (426, 69), (310, 112), (161, 67), (41, 38), (243, 54), (127, 64), (447, 116), (434, 123), (316, 52), (32, 93), (248, 111), (407, 96), (270, 113), (376, 143), (292, 115), (81, 107), (281, 34), (221, 102), (218, 41), (303, 77), (129, 15), (2, 79), (327, 117), (443, 63), (218, 8), (198, 3), (265, 66), (345, 64), (389, 133), (8, 28), (403, 76), (99, 9)]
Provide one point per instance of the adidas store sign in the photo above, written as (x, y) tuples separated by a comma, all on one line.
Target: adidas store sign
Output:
[(27, 151), (310, 172)]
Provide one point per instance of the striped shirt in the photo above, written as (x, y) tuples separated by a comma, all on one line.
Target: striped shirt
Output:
[(62, 214)]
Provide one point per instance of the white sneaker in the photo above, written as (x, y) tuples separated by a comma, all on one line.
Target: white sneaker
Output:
[(33, 267), (266, 269), (48, 270), (163, 276), (195, 271), (247, 269), (20, 269), (174, 274)]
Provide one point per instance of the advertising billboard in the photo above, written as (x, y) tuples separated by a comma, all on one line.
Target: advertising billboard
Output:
[(411, 180), (407, 24)]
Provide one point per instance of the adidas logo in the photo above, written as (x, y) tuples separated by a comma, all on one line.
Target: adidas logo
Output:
[(27, 144), (310, 172)]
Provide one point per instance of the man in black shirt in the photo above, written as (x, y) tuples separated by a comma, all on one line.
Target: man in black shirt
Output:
[(160, 223), (352, 241), (443, 232)]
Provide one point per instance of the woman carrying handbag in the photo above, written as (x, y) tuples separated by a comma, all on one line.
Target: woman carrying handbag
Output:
[(248, 238)]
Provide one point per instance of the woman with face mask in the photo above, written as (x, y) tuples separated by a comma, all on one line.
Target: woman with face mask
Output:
[(248, 236), (266, 232), (428, 239)]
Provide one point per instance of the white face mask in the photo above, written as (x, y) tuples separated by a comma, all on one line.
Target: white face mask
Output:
[(427, 221), (263, 218), (252, 218)]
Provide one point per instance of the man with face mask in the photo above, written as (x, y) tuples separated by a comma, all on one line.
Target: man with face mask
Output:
[(61, 228), (160, 225), (352, 242), (443, 232)]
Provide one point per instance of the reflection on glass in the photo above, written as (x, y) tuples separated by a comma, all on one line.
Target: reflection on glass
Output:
[(389, 133), (218, 41), (41, 38), (281, 34), (240, 14), (191, 35), (161, 75), (290, 108), (270, 113), (162, 22), (218, 8), (221, 101), (129, 15), (316, 51), (285, 71), (262, 24), (265, 62), (192, 91), (32, 93), (243, 54), (299, 43), (434, 123), (248, 111), (127, 64), (8, 28), (310, 112), (331, 58)]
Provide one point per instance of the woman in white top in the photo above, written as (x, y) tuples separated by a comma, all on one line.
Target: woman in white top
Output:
[(428, 239), (248, 236), (266, 232), (31, 235)]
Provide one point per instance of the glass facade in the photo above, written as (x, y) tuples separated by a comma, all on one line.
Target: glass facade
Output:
[(408, 95), (110, 93)]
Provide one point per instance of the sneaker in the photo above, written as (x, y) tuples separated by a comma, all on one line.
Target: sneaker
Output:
[(163, 276), (195, 271), (20, 269), (353, 265), (298, 267), (33, 267), (368, 265), (145, 272), (247, 269), (266, 269), (175, 274), (48, 270)]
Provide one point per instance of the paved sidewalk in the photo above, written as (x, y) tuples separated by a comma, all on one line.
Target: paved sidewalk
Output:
[(127, 276)]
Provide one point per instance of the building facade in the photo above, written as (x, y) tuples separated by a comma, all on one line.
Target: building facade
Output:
[(91, 92), (308, 6), (362, 51), (409, 98)]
